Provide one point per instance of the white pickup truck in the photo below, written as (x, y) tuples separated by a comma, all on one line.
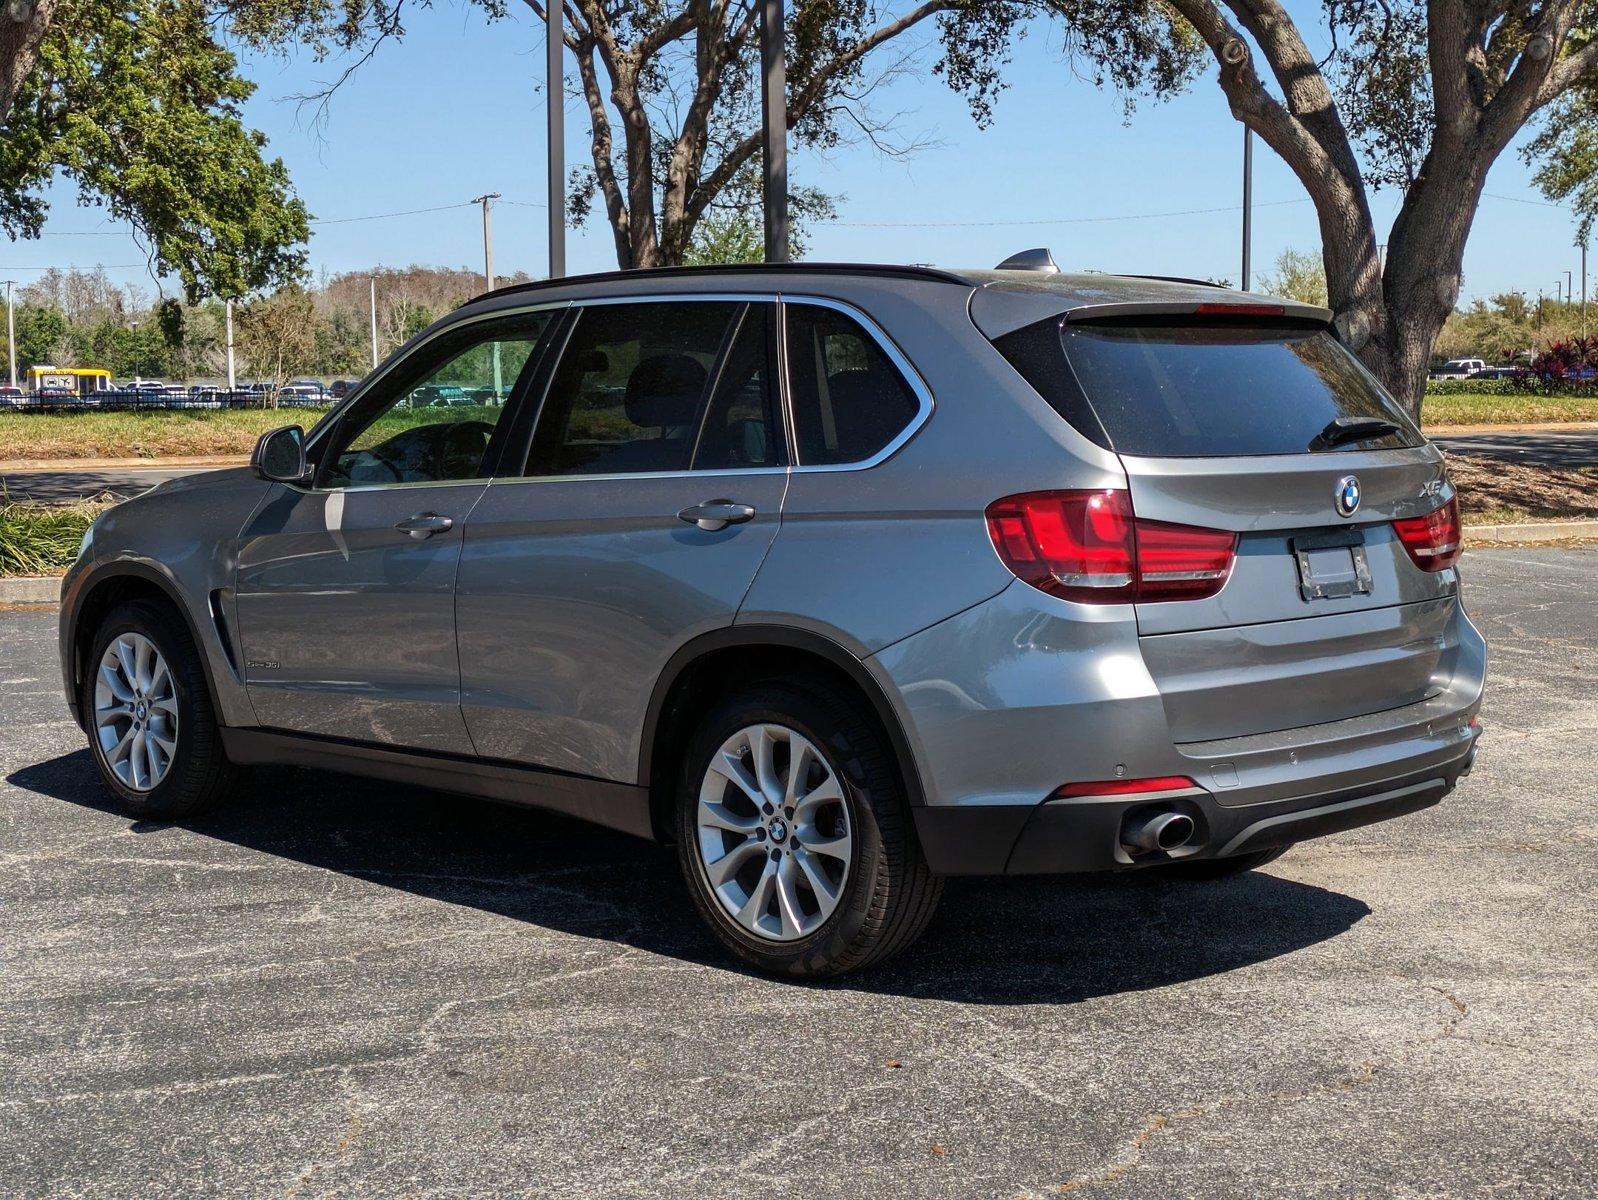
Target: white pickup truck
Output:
[(1460, 368)]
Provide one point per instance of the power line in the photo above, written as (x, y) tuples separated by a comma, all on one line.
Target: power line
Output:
[(385, 216), (1188, 212), (1524, 200)]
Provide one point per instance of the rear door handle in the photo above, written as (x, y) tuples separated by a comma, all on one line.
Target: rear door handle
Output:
[(717, 514), (424, 525)]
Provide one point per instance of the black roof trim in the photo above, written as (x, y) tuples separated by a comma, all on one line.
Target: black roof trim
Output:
[(799, 268), (1209, 283)]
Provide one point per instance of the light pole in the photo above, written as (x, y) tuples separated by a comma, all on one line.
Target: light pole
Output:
[(487, 201), (1569, 295), (1248, 205), (774, 127), (232, 378), (11, 334), (373, 282), (1584, 289), (556, 76)]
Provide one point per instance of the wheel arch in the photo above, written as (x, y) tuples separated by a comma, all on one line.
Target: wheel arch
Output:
[(751, 652), (107, 585)]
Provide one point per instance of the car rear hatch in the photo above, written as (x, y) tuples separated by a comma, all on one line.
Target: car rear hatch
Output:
[(1257, 422)]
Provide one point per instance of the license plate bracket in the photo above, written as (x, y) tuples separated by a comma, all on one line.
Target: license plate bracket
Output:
[(1332, 565)]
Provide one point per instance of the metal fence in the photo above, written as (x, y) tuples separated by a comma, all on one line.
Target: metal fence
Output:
[(149, 400)]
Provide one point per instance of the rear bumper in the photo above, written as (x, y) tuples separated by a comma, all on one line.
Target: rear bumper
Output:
[(1078, 835)]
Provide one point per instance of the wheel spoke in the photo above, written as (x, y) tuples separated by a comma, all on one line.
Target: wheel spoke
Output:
[(817, 843), (759, 897), (117, 712), (719, 816), (825, 792), (788, 910), (729, 766), (826, 891), (798, 765), (764, 748), (142, 653), (730, 863), (111, 676)]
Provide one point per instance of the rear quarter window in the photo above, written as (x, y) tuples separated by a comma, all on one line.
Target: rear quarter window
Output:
[(849, 399)]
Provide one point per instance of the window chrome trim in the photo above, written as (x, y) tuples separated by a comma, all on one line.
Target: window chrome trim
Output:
[(779, 299), (905, 367)]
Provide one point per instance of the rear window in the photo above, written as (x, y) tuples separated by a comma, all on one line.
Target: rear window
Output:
[(1194, 389)]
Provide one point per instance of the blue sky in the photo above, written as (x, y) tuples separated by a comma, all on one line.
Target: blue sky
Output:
[(457, 109)]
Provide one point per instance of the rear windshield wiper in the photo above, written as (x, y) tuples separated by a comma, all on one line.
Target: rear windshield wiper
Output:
[(1352, 429)]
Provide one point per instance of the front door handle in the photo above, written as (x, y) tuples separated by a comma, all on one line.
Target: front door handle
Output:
[(424, 525), (717, 514)]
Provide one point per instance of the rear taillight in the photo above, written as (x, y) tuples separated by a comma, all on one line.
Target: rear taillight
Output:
[(1090, 547), (1434, 540)]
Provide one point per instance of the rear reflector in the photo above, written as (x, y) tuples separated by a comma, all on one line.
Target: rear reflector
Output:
[(1124, 787), (1434, 540), (1089, 547)]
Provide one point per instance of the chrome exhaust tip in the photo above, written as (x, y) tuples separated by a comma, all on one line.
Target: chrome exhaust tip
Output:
[(1164, 831)]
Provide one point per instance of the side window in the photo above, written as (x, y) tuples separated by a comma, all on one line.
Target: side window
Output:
[(849, 400), (741, 429), (432, 422), (630, 389)]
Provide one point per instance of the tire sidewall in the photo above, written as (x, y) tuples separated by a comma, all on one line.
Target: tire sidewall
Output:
[(807, 715), (177, 649)]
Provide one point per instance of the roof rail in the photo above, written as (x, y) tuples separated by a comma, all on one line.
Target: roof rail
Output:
[(793, 268)]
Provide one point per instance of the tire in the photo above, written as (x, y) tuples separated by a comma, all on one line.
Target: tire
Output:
[(1218, 868), (196, 771), (885, 895)]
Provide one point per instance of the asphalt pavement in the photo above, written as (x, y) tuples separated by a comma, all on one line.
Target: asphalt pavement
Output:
[(344, 988), (59, 486), (1542, 448)]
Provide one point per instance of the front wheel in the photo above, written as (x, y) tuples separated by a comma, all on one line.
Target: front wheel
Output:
[(794, 833), (153, 729)]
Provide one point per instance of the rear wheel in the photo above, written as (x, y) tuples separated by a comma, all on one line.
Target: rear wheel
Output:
[(1219, 868), (152, 726), (794, 833)]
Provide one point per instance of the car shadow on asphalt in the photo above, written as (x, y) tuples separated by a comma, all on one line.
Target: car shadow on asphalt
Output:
[(1031, 940)]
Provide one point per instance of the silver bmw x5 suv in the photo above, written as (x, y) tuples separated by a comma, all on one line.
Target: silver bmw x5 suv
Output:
[(843, 579)]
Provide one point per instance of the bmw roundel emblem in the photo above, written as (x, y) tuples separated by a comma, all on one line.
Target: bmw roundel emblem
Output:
[(1348, 495)]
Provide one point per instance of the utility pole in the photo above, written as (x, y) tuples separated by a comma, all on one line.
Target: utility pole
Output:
[(1248, 205), (487, 201), (373, 282), (555, 75), (774, 127), (1584, 289), (232, 378), (11, 334), (1568, 293)]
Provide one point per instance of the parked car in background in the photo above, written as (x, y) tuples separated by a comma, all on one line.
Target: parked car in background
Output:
[(301, 394), (1460, 368), (12, 397), (843, 579), (1498, 373), (342, 387), (439, 395)]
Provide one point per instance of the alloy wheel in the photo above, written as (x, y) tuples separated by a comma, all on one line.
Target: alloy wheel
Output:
[(136, 712), (774, 836)]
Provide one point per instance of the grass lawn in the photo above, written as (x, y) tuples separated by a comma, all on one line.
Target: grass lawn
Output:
[(214, 432), (43, 539), (1473, 408)]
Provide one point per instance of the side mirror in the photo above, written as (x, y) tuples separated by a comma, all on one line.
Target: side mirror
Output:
[(279, 456)]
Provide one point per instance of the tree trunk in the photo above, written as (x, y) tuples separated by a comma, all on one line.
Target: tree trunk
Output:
[(23, 25)]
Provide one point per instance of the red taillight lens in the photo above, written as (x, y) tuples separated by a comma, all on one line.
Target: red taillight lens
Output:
[(1091, 548), (1434, 540)]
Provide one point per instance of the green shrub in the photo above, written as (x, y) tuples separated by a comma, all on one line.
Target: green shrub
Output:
[(43, 539)]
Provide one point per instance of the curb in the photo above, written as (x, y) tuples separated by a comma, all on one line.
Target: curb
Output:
[(1543, 531), (30, 589)]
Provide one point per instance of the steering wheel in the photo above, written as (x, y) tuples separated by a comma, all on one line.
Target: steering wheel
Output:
[(464, 440)]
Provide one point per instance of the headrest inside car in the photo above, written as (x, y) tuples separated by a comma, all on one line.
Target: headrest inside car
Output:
[(664, 390)]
